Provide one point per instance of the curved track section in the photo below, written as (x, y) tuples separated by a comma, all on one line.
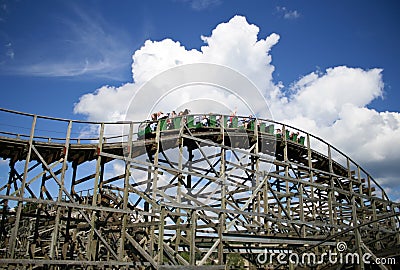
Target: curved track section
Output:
[(78, 194)]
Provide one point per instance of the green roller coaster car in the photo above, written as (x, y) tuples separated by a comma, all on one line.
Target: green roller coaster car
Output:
[(145, 130)]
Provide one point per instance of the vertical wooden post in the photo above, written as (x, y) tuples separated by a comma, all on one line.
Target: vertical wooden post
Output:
[(154, 190), (286, 160), (223, 197), (266, 207), (38, 211), (193, 221), (357, 234), (331, 193), (91, 249), (179, 195), (14, 234), (54, 238), (257, 204), (311, 177), (69, 245), (301, 207), (121, 249), (161, 237), (3, 232)]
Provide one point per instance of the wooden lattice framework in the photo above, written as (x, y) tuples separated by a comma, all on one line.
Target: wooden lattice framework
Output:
[(186, 198)]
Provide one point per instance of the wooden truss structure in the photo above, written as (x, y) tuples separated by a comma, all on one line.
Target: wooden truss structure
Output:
[(187, 198)]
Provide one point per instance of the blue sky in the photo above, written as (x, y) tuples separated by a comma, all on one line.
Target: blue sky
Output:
[(55, 55), (46, 45)]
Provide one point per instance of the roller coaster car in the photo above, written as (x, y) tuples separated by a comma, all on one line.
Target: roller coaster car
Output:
[(144, 130)]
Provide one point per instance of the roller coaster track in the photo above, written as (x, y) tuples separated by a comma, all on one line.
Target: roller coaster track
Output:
[(100, 195)]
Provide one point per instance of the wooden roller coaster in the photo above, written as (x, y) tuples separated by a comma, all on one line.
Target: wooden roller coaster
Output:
[(181, 194)]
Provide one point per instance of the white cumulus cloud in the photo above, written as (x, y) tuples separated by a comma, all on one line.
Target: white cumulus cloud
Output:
[(234, 44), (322, 97), (332, 104)]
